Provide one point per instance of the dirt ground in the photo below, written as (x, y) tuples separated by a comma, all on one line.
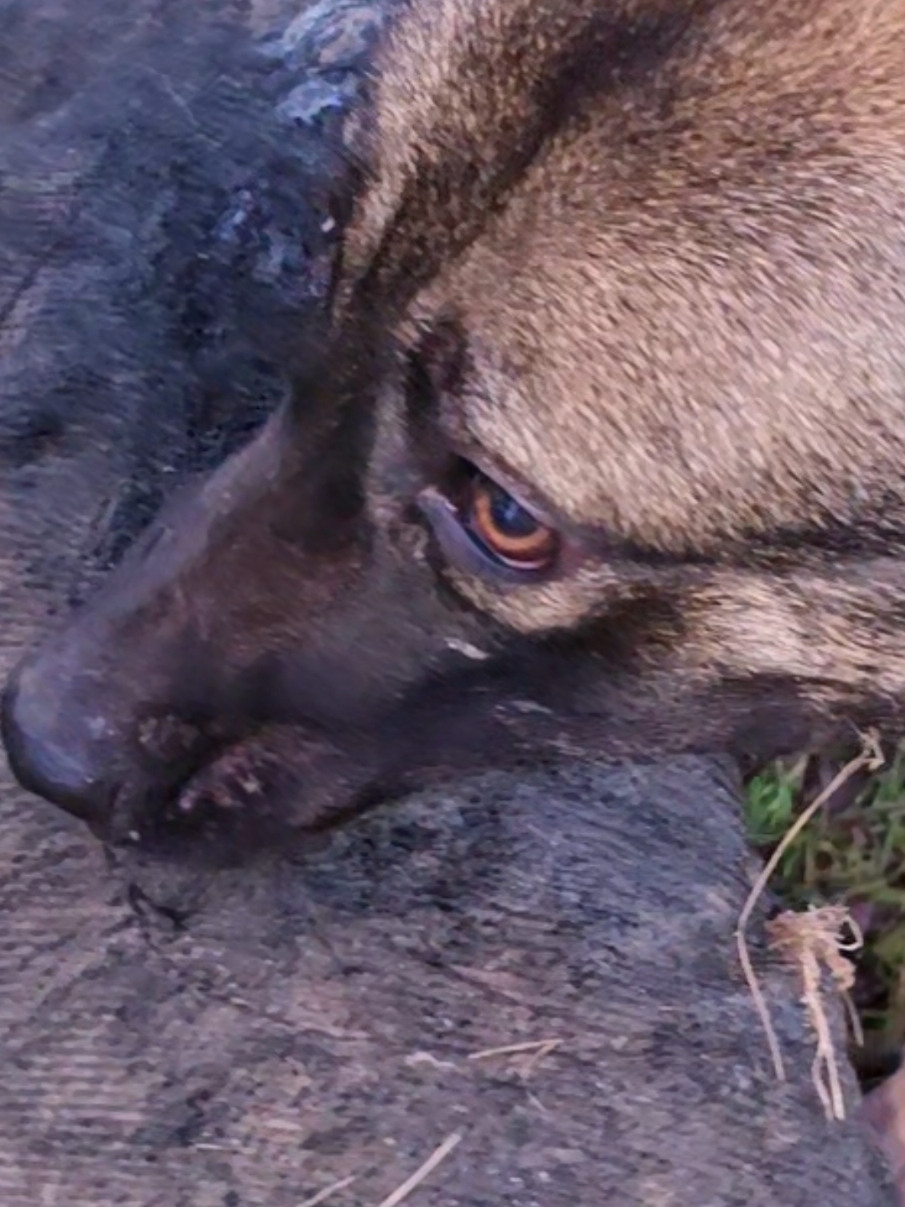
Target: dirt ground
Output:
[(179, 1037)]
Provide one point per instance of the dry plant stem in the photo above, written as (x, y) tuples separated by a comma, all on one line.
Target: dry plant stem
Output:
[(824, 1069), (853, 1021), (813, 942), (531, 1045), (845, 987), (871, 757), (439, 1154), (328, 1192), (530, 1063)]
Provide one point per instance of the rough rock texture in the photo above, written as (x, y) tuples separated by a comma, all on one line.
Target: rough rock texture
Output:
[(173, 1038), (254, 1036)]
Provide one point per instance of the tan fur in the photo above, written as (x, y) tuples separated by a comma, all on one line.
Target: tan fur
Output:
[(686, 327)]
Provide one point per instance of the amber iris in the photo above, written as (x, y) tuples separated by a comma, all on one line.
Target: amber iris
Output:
[(505, 528)]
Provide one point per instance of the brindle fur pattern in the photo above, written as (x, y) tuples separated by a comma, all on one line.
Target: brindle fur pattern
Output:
[(644, 259)]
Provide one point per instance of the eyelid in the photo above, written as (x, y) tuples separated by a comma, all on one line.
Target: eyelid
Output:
[(462, 552), (524, 495), (582, 539)]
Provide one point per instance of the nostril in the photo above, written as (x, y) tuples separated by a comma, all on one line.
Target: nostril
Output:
[(50, 753)]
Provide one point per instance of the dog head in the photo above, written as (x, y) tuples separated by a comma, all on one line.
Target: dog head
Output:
[(609, 409)]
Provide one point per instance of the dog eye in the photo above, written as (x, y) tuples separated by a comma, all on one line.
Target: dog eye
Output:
[(502, 527)]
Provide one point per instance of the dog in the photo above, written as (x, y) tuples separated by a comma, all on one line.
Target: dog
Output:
[(603, 452)]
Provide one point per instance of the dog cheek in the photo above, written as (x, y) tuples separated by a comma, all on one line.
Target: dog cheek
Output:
[(547, 607)]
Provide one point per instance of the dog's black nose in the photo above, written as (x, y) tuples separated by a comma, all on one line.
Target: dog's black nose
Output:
[(55, 749)]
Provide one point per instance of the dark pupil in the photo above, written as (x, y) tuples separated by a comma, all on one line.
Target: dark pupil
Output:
[(509, 517)]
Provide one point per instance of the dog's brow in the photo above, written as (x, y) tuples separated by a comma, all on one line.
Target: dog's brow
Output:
[(458, 180)]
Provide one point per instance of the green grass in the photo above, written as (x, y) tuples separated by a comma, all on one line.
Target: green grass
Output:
[(853, 853)]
